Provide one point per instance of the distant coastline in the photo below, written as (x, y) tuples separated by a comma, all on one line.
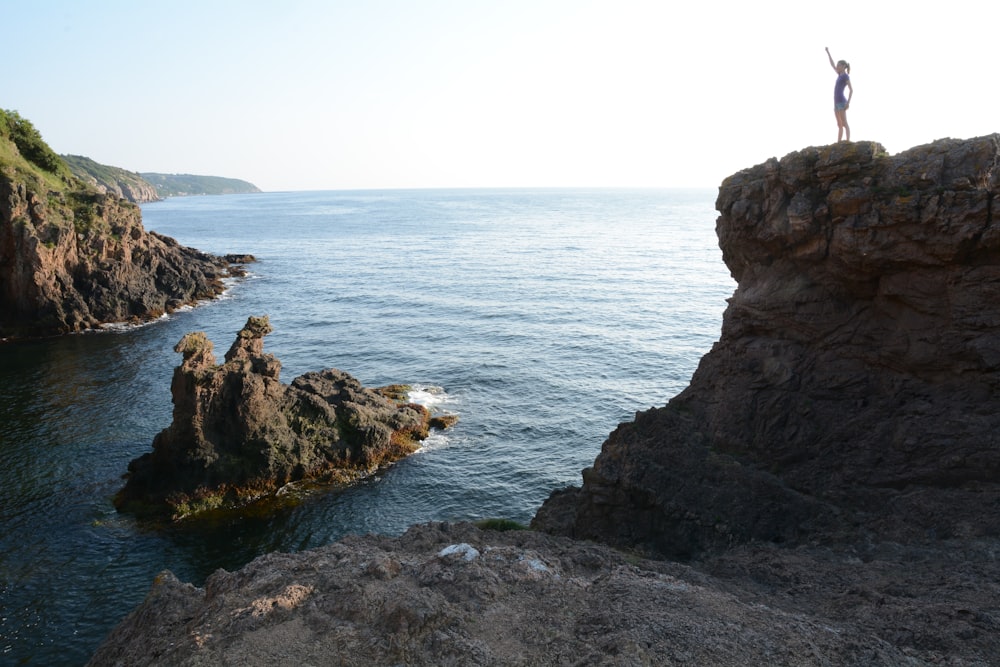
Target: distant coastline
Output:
[(181, 185), (140, 188)]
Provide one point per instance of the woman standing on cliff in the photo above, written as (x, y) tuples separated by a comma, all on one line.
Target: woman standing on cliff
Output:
[(840, 103)]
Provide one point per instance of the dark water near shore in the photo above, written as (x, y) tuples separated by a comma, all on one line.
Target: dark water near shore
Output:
[(543, 318)]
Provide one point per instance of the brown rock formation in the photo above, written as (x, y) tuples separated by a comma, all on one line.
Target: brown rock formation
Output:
[(856, 384), (72, 258), (239, 434), (70, 262)]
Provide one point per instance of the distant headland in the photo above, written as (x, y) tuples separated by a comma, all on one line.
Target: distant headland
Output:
[(180, 185), (140, 188)]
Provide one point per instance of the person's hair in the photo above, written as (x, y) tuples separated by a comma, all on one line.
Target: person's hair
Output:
[(847, 65)]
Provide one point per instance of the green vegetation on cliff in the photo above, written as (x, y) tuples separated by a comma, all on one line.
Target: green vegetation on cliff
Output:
[(26, 159), (101, 172), (26, 156), (74, 254), (145, 187), (177, 185)]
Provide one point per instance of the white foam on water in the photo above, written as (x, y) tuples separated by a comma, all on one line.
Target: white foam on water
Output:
[(428, 396), (436, 440), (433, 398), (122, 327)]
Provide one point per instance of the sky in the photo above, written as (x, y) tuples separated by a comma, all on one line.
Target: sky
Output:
[(336, 94)]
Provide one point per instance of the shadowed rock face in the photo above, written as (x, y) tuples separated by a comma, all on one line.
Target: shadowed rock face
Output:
[(855, 384), (239, 434), (73, 261)]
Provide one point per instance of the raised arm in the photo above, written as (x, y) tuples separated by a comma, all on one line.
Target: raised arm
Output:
[(831, 58)]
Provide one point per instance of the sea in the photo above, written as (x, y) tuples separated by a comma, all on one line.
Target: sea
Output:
[(542, 318)]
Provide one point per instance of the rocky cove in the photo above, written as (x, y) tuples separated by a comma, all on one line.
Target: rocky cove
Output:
[(825, 491)]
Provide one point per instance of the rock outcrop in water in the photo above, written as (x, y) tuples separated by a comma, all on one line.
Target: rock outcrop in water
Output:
[(72, 258), (239, 434), (830, 475), (856, 385)]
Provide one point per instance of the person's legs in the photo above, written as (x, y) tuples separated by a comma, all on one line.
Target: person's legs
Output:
[(841, 115)]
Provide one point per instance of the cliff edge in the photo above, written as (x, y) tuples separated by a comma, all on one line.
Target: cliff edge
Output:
[(855, 390), (140, 188)]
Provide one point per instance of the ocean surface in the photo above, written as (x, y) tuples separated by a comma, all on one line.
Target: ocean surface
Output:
[(542, 318)]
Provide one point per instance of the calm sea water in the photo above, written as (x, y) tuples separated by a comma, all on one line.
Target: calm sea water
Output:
[(543, 318)]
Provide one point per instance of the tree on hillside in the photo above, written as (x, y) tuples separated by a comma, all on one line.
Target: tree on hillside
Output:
[(29, 141)]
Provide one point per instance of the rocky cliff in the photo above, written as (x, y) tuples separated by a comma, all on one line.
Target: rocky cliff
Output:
[(115, 181), (73, 258), (830, 476), (856, 384), (239, 434)]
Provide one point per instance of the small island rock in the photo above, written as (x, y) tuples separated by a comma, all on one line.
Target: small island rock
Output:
[(239, 433)]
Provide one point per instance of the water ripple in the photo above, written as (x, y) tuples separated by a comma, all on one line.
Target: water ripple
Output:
[(542, 318)]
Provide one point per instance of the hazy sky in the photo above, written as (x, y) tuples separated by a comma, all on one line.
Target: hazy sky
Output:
[(321, 94)]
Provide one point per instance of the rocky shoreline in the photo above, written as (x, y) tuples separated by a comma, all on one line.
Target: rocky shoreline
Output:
[(825, 491), (73, 262), (73, 258)]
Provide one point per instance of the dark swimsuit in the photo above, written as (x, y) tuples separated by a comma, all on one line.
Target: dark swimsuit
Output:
[(839, 101)]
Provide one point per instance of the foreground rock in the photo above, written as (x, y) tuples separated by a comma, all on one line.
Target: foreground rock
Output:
[(72, 258), (455, 595), (855, 391), (239, 434)]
